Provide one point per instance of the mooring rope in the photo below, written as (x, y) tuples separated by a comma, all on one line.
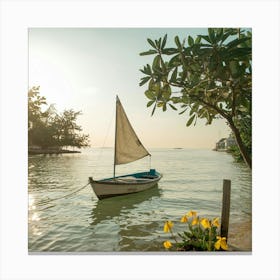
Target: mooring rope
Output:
[(44, 202)]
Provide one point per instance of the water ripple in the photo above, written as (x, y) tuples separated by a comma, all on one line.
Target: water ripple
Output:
[(192, 181)]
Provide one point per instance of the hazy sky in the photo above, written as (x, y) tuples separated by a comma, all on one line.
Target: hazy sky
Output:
[(84, 69)]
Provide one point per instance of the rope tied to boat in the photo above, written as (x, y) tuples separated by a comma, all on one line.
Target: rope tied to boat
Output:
[(44, 202)]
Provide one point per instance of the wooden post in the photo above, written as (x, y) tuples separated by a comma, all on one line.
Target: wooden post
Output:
[(225, 208)]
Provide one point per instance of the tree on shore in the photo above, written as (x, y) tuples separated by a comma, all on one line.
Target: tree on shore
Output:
[(49, 129), (67, 131), (209, 77)]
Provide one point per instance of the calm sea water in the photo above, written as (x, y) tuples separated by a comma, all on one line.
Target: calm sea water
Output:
[(192, 180)]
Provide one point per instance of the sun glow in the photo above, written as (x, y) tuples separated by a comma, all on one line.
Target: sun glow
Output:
[(35, 217), (73, 67), (31, 202)]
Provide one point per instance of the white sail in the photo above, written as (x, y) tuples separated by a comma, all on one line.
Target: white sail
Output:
[(128, 147)]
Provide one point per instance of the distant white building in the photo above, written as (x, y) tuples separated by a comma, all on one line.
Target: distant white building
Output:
[(230, 141), (225, 143)]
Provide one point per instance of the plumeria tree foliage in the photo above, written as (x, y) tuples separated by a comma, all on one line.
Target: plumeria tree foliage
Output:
[(208, 77)]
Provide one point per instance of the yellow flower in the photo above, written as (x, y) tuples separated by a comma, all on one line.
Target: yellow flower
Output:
[(221, 243), (191, 214), (184, 219), (195, 221), (167, 244), (205, 223), (215, 222), (167, 226)]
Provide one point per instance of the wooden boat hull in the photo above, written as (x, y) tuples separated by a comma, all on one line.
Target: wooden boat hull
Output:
[(123, 185)]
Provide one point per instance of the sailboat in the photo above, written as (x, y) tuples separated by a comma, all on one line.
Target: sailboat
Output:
[(128, 148)]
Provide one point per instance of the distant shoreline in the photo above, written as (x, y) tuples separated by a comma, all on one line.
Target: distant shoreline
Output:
[(50, 152)]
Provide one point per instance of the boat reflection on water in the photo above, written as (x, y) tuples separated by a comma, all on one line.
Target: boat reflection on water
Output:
[(109, 208)]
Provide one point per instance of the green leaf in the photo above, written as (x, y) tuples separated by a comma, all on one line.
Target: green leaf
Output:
[(183, 112), (232, 31), (158, 72), (150, 94), (147, 70), (166, 92), (174, 61), (201, 113), (225, 36), (194, 108), (211, 34), (238, 53), (164, 107), (150, 103), (220, 34), (177, 41), (143, 70), (190, 41), (174, 75), (151, 43), (206, 38), (197, 40), (156, 62), (190, 120), (237, 42), (173, 107), (148, 52), (164, 41), (157, 43), (154, 86), (170, 51), (144, 80)]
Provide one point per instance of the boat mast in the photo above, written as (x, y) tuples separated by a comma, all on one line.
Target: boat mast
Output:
[(115, 137)]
